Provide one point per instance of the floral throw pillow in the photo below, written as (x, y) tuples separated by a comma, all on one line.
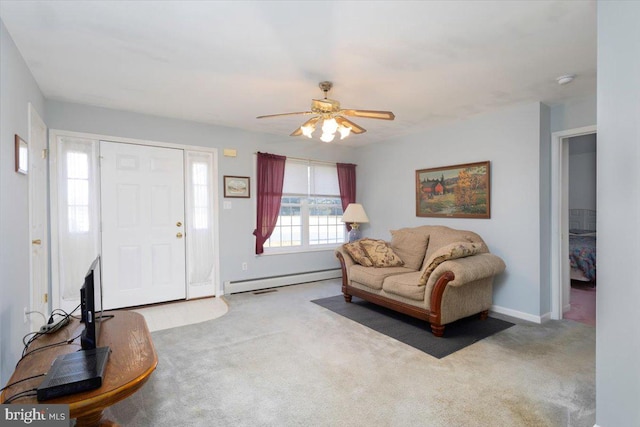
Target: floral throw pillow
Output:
[(451, 251), (380, 253), (357, 253)]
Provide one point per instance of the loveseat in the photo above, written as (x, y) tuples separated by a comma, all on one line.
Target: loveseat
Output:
[(434, 273)]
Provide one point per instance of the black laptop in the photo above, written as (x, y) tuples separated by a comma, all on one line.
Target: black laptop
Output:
[(74, 373)]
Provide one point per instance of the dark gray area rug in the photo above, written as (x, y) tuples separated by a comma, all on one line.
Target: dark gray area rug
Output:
[(415, 332)]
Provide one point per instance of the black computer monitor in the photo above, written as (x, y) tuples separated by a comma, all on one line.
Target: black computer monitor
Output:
[(91, 305)]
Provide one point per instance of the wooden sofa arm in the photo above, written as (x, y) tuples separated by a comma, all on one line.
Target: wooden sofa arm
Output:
[(345, 262)]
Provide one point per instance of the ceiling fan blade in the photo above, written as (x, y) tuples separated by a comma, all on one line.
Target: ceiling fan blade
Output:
[(311, 121), (285, 114), (369, 114), (348, 123)]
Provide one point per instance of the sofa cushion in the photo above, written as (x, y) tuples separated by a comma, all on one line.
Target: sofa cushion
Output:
[(440, 236), (450, 251), (357, 253), (373, 277), (380, 254), (410, 246), (405, 285)]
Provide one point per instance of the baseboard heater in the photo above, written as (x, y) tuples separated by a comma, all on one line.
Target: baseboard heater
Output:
[(233, 287)]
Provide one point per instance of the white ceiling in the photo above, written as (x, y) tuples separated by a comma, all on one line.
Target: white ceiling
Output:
[(226, 62)]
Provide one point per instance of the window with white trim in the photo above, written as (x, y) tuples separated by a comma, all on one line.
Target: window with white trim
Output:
[(310, 211)]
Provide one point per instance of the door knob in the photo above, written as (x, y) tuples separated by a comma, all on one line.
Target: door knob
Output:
[(179, 235), (178, 224), (36, 242)]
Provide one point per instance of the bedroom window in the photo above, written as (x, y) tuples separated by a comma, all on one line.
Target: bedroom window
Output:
[(311, 210)]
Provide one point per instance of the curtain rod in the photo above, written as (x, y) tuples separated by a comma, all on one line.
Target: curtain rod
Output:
[(307, 160)]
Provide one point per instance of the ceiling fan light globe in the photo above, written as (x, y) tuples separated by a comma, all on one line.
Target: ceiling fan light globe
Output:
[(329, 126), (307, 130), (327, 137), (344, 131)]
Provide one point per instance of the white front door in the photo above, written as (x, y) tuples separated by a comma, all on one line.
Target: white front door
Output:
[(38, 215), (143, 245)]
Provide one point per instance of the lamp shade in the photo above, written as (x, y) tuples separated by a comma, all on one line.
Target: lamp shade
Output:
[(355, 214)]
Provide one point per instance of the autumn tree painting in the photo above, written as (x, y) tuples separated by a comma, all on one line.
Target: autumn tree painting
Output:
[(464, 190), (461, 191)]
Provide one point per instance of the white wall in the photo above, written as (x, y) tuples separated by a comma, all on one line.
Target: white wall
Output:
[(544, 174), (18, 88), (582, 181), (237, 243), (511, 140), (618, 297), (582, 173), (573, 113)]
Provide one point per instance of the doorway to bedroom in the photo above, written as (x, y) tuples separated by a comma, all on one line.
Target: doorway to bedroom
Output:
[(573, 224), (582, 229)]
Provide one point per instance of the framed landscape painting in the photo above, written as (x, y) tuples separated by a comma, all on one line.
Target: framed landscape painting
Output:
[(237, 186), (458, 191)]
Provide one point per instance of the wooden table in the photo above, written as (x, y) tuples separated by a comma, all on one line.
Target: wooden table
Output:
[(131, 362)]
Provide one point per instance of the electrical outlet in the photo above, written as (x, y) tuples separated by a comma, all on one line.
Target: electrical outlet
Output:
[(245, 267), (26, 315)]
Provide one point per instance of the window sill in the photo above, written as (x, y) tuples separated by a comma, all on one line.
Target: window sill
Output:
[(290, 251)]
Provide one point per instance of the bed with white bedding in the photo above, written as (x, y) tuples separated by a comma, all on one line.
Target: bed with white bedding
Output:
[(582, 244)]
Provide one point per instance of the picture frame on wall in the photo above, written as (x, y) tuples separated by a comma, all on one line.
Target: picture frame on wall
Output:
[(22, 155), (457, 191), (237, 186)]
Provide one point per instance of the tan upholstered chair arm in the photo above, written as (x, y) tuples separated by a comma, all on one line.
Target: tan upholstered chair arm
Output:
[(469, 269)]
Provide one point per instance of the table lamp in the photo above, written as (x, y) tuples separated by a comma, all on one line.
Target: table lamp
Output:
[(354, 215)]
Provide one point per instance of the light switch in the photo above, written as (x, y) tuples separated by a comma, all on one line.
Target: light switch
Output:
[(226, 204)]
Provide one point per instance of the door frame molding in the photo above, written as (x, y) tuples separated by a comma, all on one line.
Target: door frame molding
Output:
[(560, 282), (36, 295), (54, 134)]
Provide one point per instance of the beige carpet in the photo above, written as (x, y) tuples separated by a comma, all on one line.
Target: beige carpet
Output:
[(277, 359)]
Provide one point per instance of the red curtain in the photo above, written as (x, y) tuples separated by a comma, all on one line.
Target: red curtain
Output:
[(347, 183), (270, 177)]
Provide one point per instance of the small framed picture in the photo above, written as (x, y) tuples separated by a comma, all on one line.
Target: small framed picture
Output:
[(237, 186), (22, 155)]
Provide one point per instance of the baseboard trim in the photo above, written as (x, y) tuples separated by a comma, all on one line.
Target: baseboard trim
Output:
[(520, 314), (232, 287), (545, 317)]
